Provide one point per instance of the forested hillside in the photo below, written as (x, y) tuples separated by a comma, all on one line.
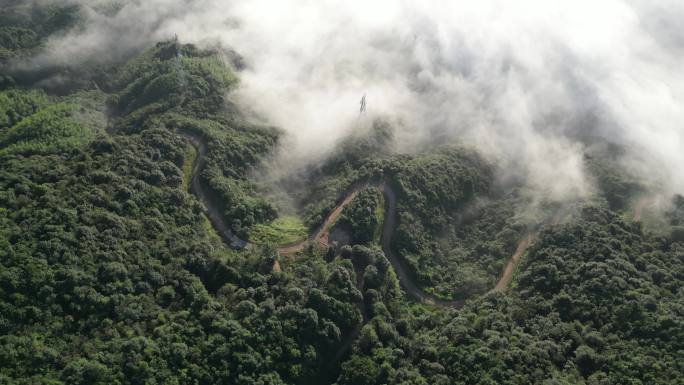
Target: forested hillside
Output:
[(111, 271)]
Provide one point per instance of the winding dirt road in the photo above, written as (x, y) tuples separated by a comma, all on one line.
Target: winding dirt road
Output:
[(320, 235), (405, 279), (208, 200), (507, 275)]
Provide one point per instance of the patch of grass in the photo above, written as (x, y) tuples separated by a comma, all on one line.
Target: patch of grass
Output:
[(211, 231), (188, 164), (281, 231), (380, 217)]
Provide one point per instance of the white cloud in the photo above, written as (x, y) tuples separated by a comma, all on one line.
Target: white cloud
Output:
[(522, 80)]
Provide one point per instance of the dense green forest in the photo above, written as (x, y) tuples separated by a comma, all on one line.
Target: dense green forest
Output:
[(112, 273)]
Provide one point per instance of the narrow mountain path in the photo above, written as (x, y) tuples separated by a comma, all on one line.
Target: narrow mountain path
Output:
[(320, 235), (389, 224), (210, 202), (507, 275)]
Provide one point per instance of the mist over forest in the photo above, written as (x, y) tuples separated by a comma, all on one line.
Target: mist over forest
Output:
[(534, 86)]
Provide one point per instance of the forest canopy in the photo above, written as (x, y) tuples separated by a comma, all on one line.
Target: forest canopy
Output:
[(113, 269)]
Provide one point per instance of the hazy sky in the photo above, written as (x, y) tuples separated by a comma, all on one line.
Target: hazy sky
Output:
[(521, 80)]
